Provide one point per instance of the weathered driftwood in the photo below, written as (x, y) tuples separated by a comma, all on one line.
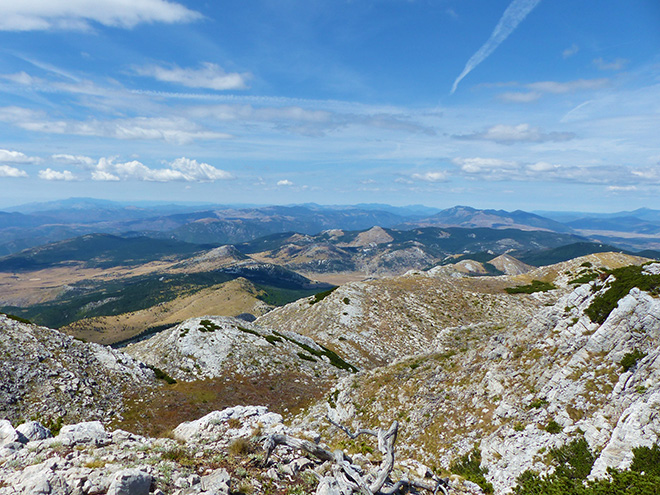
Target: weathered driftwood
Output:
[(345, 478)]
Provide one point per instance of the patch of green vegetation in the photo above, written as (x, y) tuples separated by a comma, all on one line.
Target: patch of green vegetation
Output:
[(273, 339), (630, 359), (538, 403), (332, 356), (585, 278), (469, 466), (306, 357), (346, 301), (646, 460), (318, 297), (161, 375), (16, 318), (573, 464), (518, 427), (553, 427), (586, 264), (332, 399), (248, 330), (535, 286), (626, 278), (208, 326)]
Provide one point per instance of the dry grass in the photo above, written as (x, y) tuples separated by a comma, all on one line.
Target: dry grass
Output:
[(185, 401), (227, 299)]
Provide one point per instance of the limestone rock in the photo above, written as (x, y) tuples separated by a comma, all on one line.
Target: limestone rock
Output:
[(89, 432), (218, 482), (130, 482), (7, 433), (33, 430)]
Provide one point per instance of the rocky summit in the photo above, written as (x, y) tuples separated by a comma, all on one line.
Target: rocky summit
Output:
[(433, 381)]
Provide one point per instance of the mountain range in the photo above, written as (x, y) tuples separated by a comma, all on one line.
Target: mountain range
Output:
[(41, 223)]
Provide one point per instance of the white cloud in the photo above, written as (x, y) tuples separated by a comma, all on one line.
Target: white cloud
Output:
[(103, 176), (175, 129), (50, 174), (40, 15), (210, 76), (284, 182), (616, 64), (22, 78), (570, 51), (513, 15), (509, 134), (7, 156), (7, 171), (519, 96), (568, 86), (440, 176), (181, 169), (621, 188), (202, 172), (76, 160), (480, 165)]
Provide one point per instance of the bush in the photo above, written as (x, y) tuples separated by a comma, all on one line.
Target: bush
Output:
[(629, 360), (469, 466), (553, 427), (625, 279), (643, 478), (535, 286)]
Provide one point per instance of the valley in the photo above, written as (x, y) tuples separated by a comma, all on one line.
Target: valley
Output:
[(496, 345)]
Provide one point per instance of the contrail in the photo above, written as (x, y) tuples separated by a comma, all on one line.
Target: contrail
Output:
[(513, 15)]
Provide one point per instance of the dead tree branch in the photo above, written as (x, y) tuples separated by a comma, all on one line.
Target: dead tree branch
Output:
[(349, 479)]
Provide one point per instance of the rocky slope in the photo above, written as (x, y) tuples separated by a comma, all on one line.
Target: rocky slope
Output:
[(515, 392), (218, 454), (49, 375), (207, 347)]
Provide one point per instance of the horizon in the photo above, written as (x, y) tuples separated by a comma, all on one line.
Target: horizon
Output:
[(192, 204), (507, 104)]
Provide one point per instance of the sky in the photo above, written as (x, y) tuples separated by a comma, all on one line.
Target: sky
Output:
[(522, 104)]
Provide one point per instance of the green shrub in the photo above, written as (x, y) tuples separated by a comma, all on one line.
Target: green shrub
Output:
[(161, 375), (629, 360), (469, 466), (646, 460), (304, 356), (643, 478), (584, 278), (574, 460), (625, 279), (535, 286), (553, 427), (322, 295)]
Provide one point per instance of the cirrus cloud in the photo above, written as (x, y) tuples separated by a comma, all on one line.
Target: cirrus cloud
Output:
[(521, 133), (209, 76), (43, 15), (437, 176)]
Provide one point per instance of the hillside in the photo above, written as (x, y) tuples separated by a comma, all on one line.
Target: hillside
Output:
[(231, 298), (48, 375), (506, 371), (516, 393)]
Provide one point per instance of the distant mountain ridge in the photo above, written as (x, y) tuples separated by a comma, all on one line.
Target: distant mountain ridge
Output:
[(37, 224)]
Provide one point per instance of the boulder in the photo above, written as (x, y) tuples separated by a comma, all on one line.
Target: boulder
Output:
[(33, 430), (130, 482), (87, 432), (8, 434), (217, 482)]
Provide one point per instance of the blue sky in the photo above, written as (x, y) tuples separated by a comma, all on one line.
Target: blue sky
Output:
[(529, 104)]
